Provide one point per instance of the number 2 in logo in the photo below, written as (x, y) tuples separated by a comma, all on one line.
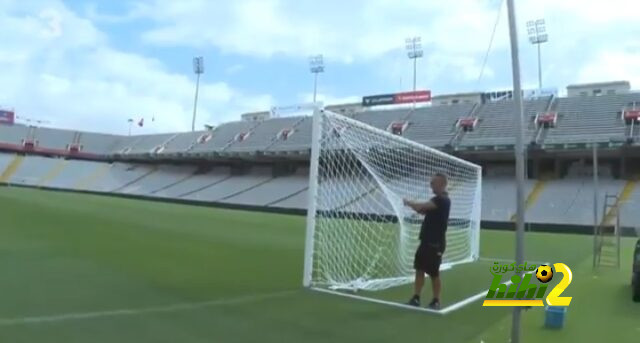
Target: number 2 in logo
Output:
[(554, 298)]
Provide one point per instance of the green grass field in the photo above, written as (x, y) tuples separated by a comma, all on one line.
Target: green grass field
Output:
[(86, 268)]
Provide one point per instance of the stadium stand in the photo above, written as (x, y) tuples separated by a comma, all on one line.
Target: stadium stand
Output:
[(496, 126), (264, 135), (73, 173), (273, 191), (121, 175), (98, 143), (561, 199), (146, 144), (435, 126), (162, 176), (195, 182), (590, 118), (300, 140), (13, 134), (233, 186), (382, 119), (226, 134), (184, 142), (54, 138), (32, 169)]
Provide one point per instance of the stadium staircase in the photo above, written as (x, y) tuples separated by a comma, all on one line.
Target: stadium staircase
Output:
[(460, 132), (628, 189), (11, 168), (52, 173), (233, 140), (541, 131), (274, 139), (533, 195), (632, 129), (607, 236), (88, 181)]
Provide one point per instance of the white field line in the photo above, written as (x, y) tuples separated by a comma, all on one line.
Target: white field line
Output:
[(141, 311)]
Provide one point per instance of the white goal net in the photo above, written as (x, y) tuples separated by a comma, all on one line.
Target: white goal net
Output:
[(359, 234)]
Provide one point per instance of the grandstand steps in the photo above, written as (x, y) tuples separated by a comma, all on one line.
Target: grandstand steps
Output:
[(11, 168), (52, 173), (123, 187), (205, 186), (88, 181)]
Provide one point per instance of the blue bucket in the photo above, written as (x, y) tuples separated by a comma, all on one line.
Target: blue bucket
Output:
[(555, 316)]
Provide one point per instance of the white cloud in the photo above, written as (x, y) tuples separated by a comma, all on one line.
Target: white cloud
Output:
[(612, 65), (455, 34), (328, 99), (341, 30), (60, 67), (234, 69)]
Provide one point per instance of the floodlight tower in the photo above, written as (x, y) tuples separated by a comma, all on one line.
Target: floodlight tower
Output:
[(537, 32), (414, 51), (198, 69), (130, 121), (316, 66)]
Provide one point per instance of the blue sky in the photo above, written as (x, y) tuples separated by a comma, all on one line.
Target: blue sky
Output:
[(91, 65)]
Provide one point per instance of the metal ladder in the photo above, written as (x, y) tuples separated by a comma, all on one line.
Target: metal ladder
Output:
[(607, 235)]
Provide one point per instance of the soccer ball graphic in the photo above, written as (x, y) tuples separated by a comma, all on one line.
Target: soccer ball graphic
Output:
[(544, 273)]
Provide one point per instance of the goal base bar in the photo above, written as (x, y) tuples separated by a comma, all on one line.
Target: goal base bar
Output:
[(378, 301), (444, 311)]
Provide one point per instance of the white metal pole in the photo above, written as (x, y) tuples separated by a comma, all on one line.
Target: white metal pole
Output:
[(539, 69), (315, 86), (519, 155), (195, 103), (595, 202), (316, 136), (415, 59)]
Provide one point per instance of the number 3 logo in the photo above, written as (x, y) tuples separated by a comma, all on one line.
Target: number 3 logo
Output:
[(554, 298)]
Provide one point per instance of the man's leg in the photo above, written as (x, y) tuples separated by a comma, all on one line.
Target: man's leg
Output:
[(436, 286), (417, 288), (418, 283)]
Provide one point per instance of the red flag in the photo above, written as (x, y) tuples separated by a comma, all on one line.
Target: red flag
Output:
[(141, 122)]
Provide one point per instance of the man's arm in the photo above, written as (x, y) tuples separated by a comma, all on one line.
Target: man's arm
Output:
[(420, 207)]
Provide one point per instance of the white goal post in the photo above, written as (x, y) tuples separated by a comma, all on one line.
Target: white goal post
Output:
[(359, 234)]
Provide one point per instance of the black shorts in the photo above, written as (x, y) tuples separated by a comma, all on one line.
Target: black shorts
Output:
[(428, 258)]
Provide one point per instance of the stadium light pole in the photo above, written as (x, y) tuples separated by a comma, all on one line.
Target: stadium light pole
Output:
[(130, 120), (316, 66), (198, 69), (519, 155), (537, 32), (414, 51)]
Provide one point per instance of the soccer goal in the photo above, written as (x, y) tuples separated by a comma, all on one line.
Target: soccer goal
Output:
[(359, 234)]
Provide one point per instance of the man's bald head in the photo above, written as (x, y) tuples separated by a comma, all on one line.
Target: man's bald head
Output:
[(439, 183)]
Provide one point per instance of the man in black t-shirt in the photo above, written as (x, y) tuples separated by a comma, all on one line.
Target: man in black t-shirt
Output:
[(432, 239)]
